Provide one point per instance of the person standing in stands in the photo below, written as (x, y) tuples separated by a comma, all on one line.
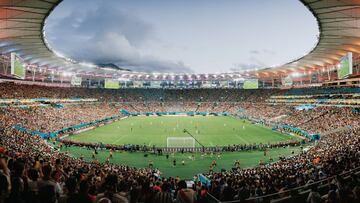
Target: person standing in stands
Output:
[(314, 196), (184, 194), (47, 187), (110, 193), (164, 196)]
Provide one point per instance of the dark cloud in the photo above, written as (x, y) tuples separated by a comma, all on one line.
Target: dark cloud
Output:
[(106, 34), (157, 35), (255, 63)]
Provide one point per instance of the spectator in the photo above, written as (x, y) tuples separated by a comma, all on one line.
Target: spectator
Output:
[(184, 194)]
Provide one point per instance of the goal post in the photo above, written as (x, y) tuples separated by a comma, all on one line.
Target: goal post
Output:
[(180, 142)]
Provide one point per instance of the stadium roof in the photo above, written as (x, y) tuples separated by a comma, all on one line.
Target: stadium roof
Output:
[(21, 31), (339, 25), (22, 24)]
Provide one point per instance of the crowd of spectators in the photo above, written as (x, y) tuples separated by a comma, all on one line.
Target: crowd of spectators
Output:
[(318, 120), (32, 170), (333, 155), (49, 119), (19, 91)]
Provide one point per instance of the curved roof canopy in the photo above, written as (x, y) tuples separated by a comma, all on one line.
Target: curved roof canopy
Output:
[(22, 22), (21, 31), (339, 25)]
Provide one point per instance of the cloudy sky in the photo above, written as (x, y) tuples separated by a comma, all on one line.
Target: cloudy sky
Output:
[(202, 36)]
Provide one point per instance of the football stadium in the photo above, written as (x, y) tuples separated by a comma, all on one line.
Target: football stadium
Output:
[(180, 101)]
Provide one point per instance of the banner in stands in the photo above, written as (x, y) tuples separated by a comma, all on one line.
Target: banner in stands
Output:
[(345, 66), (76, 81), (17, 66)]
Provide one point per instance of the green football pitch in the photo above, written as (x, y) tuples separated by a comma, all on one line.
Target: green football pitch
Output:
[(208, 130)]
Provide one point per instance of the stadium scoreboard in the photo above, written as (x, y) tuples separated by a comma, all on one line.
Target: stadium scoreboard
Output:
[(111, 84), (251, 84), (17, 66), (345, 66)]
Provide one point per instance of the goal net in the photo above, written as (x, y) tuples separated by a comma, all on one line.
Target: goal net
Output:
[(181, 142)]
